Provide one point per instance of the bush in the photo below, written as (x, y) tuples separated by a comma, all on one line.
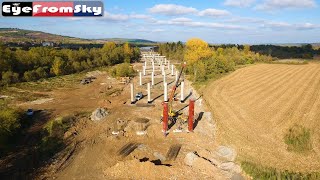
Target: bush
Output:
[(9, 124), (9, 77), (52, 140), (58, 126), (298, 139), (123, 70), (266, 173), (30, 76)]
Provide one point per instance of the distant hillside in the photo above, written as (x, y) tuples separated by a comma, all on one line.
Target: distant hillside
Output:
[(21, 35), (134, 41), (14, 35)]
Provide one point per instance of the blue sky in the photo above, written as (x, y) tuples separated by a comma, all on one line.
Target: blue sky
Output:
[(222, 21)]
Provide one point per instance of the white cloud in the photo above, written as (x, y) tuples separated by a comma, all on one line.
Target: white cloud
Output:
[(307, 26), (214, 12), (239, 3), (244, 20), (139, 16), (182, 19), (269, 5), (288, 26), (171, 9), (145, 30), (116, 17), (190, 23), (124, 17)]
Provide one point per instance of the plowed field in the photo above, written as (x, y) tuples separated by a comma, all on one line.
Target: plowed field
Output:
[(255, 106)]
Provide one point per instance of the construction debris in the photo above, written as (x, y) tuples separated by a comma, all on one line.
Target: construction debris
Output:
[(99, 114)]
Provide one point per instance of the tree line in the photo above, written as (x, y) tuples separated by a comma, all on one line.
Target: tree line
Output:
[(18, 65), (205, 62), (306, 51)]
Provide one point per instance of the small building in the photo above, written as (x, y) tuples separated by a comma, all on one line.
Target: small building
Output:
[(47, 44)]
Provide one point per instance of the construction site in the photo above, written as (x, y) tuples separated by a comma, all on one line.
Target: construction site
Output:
[(155, 121)]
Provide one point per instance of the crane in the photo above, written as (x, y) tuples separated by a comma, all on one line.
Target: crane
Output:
[(171, 113)]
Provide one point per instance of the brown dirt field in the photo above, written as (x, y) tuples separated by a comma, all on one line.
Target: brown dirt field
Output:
[(254, 106), (94, 150)]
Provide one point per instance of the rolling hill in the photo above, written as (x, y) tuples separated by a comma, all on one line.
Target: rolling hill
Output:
[(15, 35)]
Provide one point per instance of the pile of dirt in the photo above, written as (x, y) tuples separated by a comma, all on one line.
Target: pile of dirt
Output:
[(99, 114), (134, 169), (94, 73)]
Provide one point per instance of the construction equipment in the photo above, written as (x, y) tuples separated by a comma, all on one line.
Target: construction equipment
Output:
[(173, 115)]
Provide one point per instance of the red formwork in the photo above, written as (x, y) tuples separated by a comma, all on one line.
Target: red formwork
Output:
[(191, 115), (165, 117)]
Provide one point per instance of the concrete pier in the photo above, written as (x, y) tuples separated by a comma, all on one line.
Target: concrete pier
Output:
[(149, 93), (132, 93), (182, 92), (165, 92)]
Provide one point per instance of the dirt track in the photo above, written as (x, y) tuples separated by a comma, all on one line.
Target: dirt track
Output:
[(254, 106)]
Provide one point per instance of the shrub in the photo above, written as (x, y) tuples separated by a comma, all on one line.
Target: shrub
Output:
[(266, 173), (52, 141), (123, 70), (9, 124), (9, 77), (298, 139), (30, 76), (58, 126)]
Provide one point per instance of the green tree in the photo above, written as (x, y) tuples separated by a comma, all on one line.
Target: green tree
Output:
[(30, 76), (41, 72), (9, 77)]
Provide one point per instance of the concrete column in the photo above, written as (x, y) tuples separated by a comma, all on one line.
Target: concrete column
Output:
[(165, 92), (165, 61), (145, 63), (149, 93), (140, 78), (144, 70), (152, 78), (132, 93), (163, 71), (153, 66), (168, 65), (177, 76), (172, 70), (164, 78), (182, 92)]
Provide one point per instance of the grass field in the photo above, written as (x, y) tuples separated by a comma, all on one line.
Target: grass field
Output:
[(256, 106)]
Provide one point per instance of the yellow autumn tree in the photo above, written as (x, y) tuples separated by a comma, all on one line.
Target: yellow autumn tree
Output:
[(196, 49), (109, 46), (128, 52)]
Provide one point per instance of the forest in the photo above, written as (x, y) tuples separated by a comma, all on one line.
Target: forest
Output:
[(18, 65)]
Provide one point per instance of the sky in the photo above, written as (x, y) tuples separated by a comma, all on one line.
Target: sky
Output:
[(215, 21)]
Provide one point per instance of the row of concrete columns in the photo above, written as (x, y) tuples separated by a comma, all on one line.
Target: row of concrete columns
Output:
[(165, 92)]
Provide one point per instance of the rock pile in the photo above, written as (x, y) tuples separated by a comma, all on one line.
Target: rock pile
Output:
[(99, 114)]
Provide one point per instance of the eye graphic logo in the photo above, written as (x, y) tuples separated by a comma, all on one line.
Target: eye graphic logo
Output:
[(52, 8)]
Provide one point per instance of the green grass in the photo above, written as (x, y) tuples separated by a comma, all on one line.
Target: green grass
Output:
[(293, 62), (30, 91), (298, 139), (53, 132), (266, 173)]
